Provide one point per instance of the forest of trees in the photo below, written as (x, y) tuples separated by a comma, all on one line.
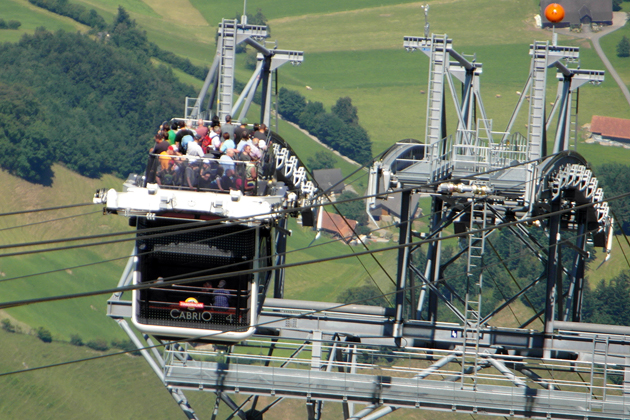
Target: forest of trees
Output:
[(92, 106), (74, 11), (123, 32), (614, 178), (338, 129)]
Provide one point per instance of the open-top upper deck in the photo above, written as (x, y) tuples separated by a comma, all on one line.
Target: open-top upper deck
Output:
[(215, 187)]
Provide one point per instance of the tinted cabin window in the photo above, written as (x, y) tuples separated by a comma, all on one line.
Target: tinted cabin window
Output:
[(181, 254)]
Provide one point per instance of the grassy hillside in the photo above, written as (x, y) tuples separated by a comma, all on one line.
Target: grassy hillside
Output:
[(82, 316), (119, 387)]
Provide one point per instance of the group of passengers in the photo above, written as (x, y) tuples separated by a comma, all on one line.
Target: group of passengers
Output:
[(217, 156)]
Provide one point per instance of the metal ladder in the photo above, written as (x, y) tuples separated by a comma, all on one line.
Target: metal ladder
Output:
[(536, 123), (573, 123), (599, 376), (227, 41), (474, 286), (435, 101)]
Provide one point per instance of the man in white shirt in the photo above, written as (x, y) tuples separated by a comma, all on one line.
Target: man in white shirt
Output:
[(194, 148)]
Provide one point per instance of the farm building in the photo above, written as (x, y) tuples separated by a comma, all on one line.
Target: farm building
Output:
[(329, 178), (580, 12), (339, 226), (612, 129)]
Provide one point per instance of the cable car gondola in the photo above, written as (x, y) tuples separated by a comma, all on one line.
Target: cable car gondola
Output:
[(202, 252), (214, 310)]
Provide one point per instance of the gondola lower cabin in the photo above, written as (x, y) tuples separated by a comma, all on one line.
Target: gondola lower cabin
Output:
[(204, 253)]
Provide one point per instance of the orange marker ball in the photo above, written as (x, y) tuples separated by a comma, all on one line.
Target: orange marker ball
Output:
[(554, 13)]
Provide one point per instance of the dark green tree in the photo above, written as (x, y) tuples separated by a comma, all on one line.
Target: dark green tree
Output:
[(14, 24), (76, 340), (258, 19), (291, 104), (8, 326), (321, 160), (345, 111), (3, 24), (328, 129), (98, 344), (623, 47), (617, 5), (124, 33), (44, 335), (309, 117), (355, 143)]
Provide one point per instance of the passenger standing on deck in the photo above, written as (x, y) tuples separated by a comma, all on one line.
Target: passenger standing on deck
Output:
[(181, 133), (216, 142), (205, 176), (215, 132), (192, 173), (228, 127), (245, 155), (161, 145), (261, 135), (186, 140), (243, 141), (194, 147), (201, 129), (227, 145), (228, 180), (248, 184), (172, 133), (166, 174), (227, 159), (238, 132), (255, 151)]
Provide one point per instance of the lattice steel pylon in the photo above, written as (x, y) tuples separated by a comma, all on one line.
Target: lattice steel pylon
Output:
[(220, 79), (480, 180)]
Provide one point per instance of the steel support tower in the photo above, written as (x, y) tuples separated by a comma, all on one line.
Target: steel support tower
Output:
[(221, 77)]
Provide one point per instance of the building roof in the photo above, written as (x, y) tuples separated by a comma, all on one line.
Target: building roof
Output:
[(326, 178), (339, 225), (611, 127), (577, 11)]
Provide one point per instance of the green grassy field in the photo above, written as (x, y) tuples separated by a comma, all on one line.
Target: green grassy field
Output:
[(81, 316), (119, 387), (32, 17)]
